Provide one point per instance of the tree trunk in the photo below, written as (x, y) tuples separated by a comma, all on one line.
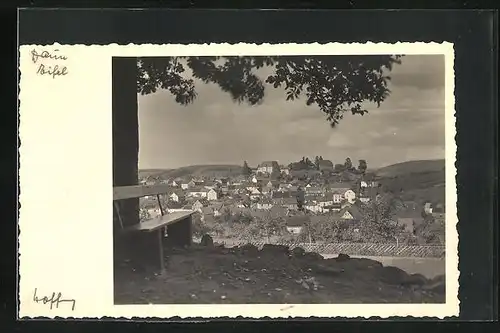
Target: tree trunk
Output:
[(125, 132), (125, 137)]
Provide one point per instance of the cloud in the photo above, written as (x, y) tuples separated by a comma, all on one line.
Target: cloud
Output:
[(216, 130), (420, 71)]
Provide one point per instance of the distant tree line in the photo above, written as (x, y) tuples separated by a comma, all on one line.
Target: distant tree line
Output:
[(306, 164)]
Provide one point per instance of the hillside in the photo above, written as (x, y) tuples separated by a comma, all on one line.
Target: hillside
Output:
[(415, 180), (404, 168), (272, 275), (194, 171)]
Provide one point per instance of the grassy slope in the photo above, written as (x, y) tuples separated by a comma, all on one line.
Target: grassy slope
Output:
[(420, 180), (404, 168)]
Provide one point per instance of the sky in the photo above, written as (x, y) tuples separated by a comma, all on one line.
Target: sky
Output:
[(409, 125)]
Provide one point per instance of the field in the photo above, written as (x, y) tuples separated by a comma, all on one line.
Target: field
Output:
[(419, 181)]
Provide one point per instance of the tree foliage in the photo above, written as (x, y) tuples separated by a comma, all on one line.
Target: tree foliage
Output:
[(329, 230), (431, 231), (246, 169), (348, 164), (336, 84), (379, 223), (362, 166)]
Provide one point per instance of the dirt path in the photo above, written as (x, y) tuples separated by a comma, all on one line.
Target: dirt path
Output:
[(247, 275)]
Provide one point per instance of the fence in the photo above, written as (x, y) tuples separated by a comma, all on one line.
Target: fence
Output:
[(359, 249)]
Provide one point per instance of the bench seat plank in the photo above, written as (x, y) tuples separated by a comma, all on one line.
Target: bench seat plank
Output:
[(161, 221)]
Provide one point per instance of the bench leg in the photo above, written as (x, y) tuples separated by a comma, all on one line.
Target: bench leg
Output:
[(181, 234), (161, 236)]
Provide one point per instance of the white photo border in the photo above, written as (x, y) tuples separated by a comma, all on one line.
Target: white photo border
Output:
[(65, 170)]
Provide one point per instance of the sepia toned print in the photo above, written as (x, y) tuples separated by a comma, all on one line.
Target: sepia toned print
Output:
[(276, 181)]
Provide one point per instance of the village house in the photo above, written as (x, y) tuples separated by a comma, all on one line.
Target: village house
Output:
[(264, 204), (277, 197), (313, 206), (368, 183), (272, 185), (210, 185), (350, 196), (252, 188), (268, 167), (314, 190), (255, 194), (364, 199), (350, 213), (224, 190), (197, 192), (285, 171), (290, 203), (199, 204), (338, 194), (334, 207), (428, 208), (212, 195), (174, 183), (325, 201), (283, 187), (177, 196), (176, 205)]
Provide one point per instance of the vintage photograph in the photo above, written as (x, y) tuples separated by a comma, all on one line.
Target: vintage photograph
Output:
[(279, 179)]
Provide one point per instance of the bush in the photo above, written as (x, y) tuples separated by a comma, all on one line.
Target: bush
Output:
[(200, 228), (431, 231)]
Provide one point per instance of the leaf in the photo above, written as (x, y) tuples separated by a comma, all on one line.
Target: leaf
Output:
[(333, 83)]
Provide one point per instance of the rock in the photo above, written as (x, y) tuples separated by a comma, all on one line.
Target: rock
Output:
[(207, 241), (271, 248), (436, 285), (415, 280), (393, 275), (343, 257), (297, 252)]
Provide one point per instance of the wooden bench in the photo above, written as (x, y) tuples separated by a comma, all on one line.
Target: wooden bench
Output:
[(177, 225)]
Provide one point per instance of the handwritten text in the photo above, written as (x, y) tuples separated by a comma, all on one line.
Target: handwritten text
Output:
[(53, 300), (43, 68)]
